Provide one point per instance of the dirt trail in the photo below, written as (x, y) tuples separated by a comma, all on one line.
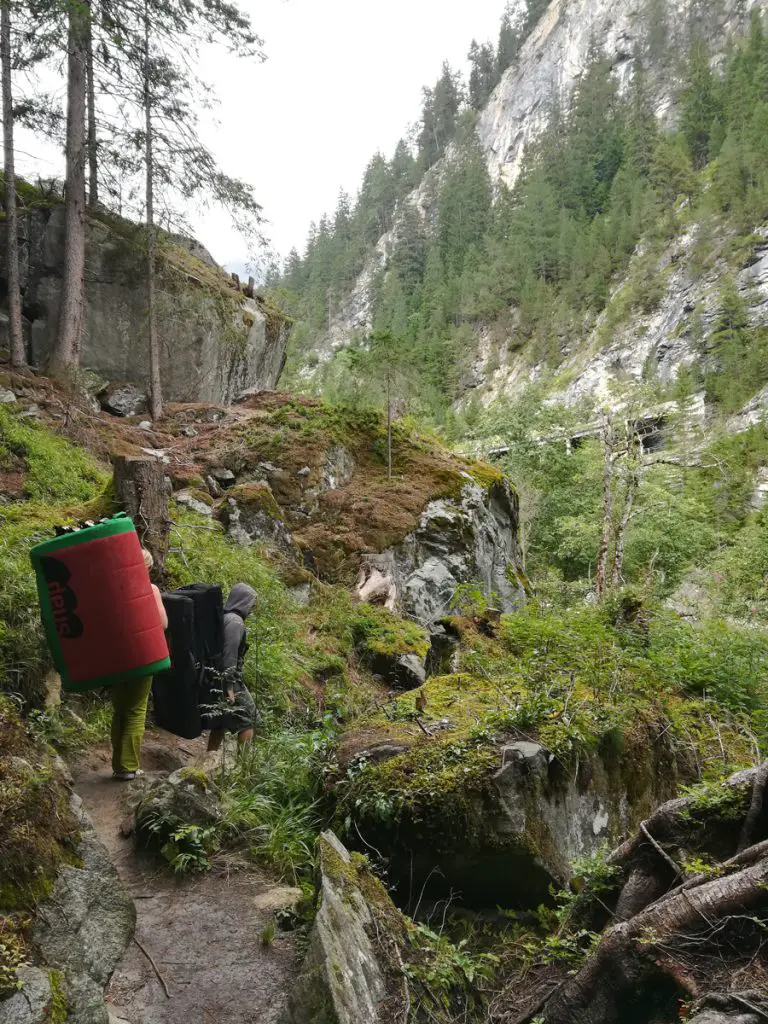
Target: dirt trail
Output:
[(203, 933)]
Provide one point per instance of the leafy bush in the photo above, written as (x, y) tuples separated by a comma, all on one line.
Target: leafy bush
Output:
[(449, 977), (13, 953), (715, 659), (186, 847)]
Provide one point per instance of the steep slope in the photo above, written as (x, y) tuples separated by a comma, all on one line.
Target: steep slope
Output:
[(553, 59), (654, 35)]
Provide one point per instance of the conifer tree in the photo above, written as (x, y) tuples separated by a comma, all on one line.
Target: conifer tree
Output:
[(66, 350), (699, 104), (15, 337), (483, 75)]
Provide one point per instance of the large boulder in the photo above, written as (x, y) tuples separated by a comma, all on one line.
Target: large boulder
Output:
[(347, 977), (495, 824), (470, 540), (216, 341), (124, 400), (84, 929)]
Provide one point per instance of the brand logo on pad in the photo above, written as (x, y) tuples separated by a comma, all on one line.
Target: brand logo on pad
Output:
[(62, 598)]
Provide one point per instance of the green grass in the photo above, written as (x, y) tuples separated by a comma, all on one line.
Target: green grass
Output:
[(55, 471), (272, 801)]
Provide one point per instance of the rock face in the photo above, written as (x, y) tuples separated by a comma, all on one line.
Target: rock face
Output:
[(215, 343), (663, 339), (553, 57), (344, 979), (548, 68), (85, 928), (469, 541), (520, 831)]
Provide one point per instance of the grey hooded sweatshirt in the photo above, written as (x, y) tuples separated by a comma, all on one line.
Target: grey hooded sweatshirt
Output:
[(239, 605)]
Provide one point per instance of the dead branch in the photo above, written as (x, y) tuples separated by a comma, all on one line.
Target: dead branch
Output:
[(155, 968), (623, 959), (661, 851)]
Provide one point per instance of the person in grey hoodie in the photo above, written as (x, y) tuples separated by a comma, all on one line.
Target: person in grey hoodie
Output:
[(240, 711)]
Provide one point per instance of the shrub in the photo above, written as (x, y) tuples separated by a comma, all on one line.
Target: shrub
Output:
[(714, 658)]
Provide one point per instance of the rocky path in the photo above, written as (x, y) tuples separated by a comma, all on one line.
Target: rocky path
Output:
[(204, 934)]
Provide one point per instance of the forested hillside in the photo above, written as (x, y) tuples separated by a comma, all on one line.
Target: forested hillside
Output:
[(618, 283), (534, 266)]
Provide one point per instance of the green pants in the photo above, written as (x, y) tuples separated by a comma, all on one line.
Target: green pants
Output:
[(129, 703)]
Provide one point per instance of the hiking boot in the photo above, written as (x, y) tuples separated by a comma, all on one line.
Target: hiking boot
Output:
[(126, 776)]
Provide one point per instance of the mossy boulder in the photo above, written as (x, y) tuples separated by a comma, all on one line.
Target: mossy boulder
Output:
[(391, 647), (218, 341), (557, 735), (251, 515), (326, 469), (349, 973)]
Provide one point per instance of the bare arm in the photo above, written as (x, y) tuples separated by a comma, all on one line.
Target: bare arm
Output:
[(160, 607)]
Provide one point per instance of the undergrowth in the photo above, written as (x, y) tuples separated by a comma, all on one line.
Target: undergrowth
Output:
[(273, 802)]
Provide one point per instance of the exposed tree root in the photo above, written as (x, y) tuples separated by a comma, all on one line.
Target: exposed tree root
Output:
[(628, 955)]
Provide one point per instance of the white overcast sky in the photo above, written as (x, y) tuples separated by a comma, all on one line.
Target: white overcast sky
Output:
[(342, 79)]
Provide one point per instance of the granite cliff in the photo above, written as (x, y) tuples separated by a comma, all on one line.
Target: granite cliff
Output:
[(216, 341)]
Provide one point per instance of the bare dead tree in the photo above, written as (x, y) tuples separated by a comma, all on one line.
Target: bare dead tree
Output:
[(632, 481), (608, 437)]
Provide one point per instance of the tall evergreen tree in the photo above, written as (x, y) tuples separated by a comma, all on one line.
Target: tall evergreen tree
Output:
[(699, 104), (66, 350), (15, 337), (483, 74), (464, 205), (439, 114)]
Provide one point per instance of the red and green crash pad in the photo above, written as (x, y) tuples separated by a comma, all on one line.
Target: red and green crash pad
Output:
[(99, 612)]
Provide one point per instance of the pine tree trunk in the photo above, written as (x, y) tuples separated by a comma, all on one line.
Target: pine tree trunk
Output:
[(66, 352), (16, 338), (93, 162), (155, 384), (389, 428), (141, 492), (607, 528)]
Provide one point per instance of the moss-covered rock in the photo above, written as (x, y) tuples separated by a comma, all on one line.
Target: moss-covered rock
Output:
[(556, 736), (349, 972)]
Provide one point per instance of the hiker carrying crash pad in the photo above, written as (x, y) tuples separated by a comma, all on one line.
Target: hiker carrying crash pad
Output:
[(98, 610)]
